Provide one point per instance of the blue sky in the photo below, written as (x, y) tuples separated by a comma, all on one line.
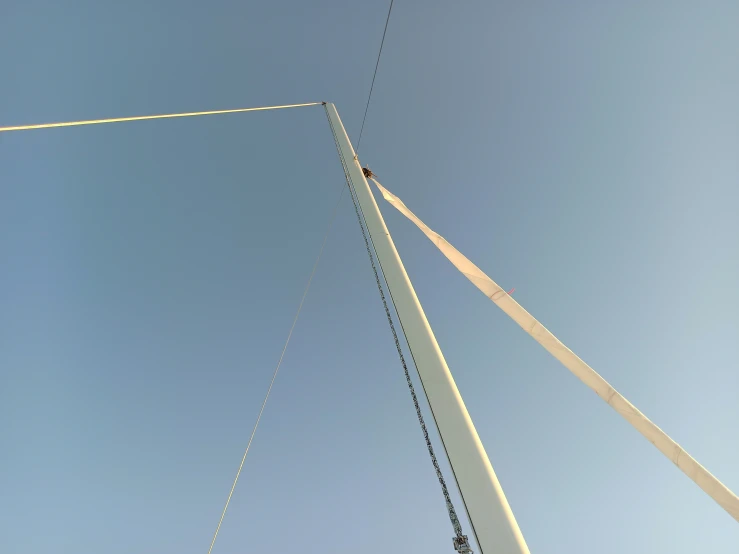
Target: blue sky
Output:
[(584, 154)]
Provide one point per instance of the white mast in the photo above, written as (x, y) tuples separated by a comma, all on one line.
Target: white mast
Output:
[(493, 523)]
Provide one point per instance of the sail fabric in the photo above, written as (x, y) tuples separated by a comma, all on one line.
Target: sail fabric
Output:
[(700, 475)]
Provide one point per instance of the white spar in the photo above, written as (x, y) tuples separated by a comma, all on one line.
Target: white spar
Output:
[(493, 523), (677, 455)]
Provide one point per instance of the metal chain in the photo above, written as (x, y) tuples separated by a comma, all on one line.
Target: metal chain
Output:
[(461, 542)]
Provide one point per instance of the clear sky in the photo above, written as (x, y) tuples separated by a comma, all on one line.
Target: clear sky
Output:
[(583, 153)]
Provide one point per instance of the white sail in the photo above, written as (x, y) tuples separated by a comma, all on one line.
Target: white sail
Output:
[(700, 475)]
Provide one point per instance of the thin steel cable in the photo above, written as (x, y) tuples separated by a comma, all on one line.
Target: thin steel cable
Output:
[(142, 117), (372, 86), (274, 375)]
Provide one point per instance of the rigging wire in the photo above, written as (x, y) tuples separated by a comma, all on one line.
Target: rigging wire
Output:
[(372, 86), (274, 375), (461, 541), (142, 117)]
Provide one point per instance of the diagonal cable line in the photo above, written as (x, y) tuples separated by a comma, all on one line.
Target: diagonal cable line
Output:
[(372, 86), (274, 375)]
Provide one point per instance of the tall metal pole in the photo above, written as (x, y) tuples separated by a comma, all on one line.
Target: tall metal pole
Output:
[(493, 523)]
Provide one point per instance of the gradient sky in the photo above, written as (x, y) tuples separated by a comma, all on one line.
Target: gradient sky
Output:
[(583, 153)]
